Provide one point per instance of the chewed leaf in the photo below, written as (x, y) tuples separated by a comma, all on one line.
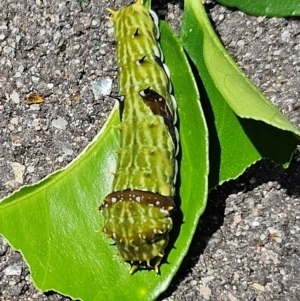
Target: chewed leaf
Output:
[(55, 226)]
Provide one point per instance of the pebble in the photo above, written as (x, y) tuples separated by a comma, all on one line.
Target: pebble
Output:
[(285, 36), (205, 292), (59, 123), (206, 280), (95, 22), (260, 19), (30, 168), (258, 287), (278, 52), (255, 224), (14, 120), (269, 256), (35, 122), (102, 88), (34, 107), (17, 75), (67, 151), (18, 170), (14, 96), (13, 270), (35, 79)]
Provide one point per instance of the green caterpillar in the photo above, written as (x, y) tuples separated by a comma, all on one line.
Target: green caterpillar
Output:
[(138, 213)]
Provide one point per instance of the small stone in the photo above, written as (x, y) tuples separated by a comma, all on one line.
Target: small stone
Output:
[(59, 123), (262, 237), (7, 50), (241, 43), (278, 52), (282, 272), (12, 184), (255, 224), (67, 151), (236, 276), (258, 287), (252, 180), (18, 74), (110, 31), (269, 256), (35, 122), (30, 168), (56, 37), (260, 19), (237, 219), (12, 283), (101, 88), (19, 170), (14, 120), (35, 79), (221, 17), (13, 270), (96, 22), (14, 96), (206, 280), (34, 107), (285, 36), (205, 292)]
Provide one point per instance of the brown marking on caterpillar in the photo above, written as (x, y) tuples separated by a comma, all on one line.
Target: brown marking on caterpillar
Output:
[(142, 197)]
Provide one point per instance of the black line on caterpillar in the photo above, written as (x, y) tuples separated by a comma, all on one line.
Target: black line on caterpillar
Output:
[(121, 100), (140, 61), (166, 71), (172, 131), (136, 33), (154, 18)]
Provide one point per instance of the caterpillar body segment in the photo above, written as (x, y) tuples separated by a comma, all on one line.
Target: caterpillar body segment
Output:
[(138, 211)]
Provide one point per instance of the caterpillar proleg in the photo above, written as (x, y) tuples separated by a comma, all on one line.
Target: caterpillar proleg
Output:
[(138, 211)]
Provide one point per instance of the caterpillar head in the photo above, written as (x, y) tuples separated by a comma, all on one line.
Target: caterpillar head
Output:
[(139, 222)]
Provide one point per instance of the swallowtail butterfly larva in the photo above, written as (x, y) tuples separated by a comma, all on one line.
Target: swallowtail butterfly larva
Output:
[(138, 211)]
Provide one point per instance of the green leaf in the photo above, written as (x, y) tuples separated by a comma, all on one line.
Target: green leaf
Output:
[(270, 8), (54, 222), (243, 125)]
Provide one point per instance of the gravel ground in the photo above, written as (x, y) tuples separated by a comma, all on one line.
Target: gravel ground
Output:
[(247, 243)]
